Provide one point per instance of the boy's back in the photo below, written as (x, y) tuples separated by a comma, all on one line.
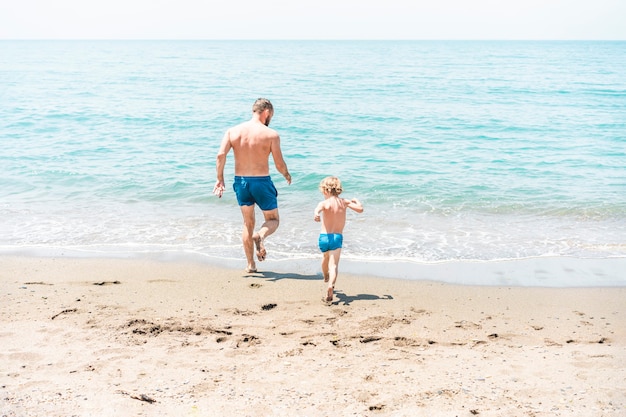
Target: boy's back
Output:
[(334, 218)]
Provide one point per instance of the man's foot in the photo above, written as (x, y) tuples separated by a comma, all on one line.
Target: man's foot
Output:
[(326, 278), (261, 253), (250, 270)]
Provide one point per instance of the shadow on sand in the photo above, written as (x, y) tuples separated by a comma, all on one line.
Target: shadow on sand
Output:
[(340, 297), (347, 299), (277, 276)]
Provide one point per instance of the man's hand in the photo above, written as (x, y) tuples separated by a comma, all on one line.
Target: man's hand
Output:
[(219, 188)]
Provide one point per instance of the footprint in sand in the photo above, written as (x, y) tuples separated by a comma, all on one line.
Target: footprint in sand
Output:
[(106, 283), (248, 340), (464, 324)]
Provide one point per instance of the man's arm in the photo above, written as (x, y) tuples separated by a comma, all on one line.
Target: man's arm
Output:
[(220, 163), (279, 161)]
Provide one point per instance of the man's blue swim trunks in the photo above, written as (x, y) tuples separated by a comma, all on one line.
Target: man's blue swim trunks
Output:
[(256, 190), (330, 241)]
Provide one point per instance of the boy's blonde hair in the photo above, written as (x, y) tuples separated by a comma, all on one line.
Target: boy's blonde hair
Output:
[(331, 185)]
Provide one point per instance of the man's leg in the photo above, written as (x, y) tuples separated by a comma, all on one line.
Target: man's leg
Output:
[(247, 236), (269, 226)]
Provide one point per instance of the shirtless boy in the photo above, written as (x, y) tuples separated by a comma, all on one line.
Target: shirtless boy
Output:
[(332, 214)]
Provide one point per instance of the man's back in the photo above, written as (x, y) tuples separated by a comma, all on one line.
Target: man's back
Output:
[(252, 144)]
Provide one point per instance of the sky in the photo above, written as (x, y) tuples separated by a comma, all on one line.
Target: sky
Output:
[(318, 19)]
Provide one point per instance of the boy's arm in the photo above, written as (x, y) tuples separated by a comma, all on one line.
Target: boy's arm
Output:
[(318, 211), (355, 205)]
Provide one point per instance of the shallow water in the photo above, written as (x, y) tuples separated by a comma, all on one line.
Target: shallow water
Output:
[(459, 151)]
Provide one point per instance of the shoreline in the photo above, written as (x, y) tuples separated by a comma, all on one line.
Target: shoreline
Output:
[(129, 337), (544, 271)]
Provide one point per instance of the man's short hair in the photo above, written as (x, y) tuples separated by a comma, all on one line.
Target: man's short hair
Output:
[(262, 104)]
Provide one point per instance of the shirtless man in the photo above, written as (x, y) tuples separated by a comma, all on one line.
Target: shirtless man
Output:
[(252, 143)]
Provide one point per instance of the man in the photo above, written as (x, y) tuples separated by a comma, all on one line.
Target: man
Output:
[(252, 143)]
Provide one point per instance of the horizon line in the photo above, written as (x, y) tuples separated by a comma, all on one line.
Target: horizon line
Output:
[(327, 39)]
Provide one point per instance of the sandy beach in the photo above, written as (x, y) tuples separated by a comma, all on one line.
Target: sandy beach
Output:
[(118, 337)]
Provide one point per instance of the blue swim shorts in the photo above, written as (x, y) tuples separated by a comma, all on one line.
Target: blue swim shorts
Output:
[(330, 241), (256, 190)]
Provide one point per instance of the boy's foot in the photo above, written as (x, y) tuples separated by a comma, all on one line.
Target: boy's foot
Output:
[(250, 270), (329, 295), (261, 253), (326, 278)]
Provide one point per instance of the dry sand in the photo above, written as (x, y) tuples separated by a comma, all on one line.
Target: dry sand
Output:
[(110, 337)]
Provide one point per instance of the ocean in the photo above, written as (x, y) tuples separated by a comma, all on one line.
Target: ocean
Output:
[(460, 151)]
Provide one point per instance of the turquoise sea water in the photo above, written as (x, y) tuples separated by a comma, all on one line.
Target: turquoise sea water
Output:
[(474, 151)]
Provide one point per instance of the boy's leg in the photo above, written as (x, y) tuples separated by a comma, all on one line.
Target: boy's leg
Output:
[(325, 266), (333, 271)]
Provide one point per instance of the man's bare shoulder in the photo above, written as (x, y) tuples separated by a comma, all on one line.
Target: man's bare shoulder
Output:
[(253, 127), (263, 133), (239, 132), (265, 130), (237, 129)]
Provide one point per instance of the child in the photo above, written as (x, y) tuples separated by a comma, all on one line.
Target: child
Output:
[(333, 222)]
